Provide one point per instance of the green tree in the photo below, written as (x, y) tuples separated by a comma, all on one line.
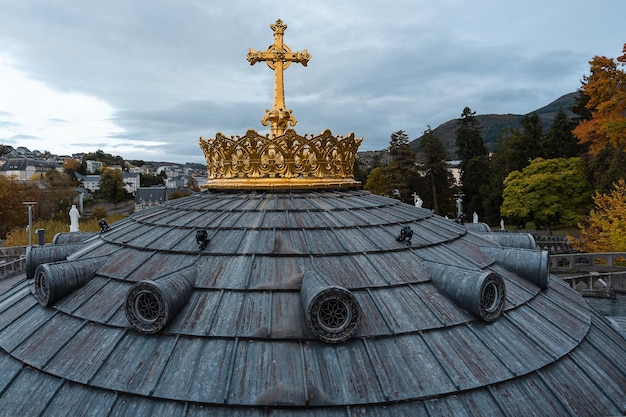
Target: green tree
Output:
[(526, 142), (377, 182), (401, 172), (559, 141), (438, 196), (105, 158), (548, 192), (112, 185), (150, 180), (605, 229), (500, 164), (474, 160), (514, 150), (469, 141)]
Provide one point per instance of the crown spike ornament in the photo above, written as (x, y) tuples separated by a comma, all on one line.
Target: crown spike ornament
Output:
[(282, 159)]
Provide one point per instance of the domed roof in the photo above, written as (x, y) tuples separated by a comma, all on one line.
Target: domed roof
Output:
[(283, 290), (302, 303)]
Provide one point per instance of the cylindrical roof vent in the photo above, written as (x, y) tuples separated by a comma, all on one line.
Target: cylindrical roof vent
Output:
[(481, 293), (37, 255), (54, 281), (151, 305), (71, 237), (533, 265), (332, 312), (512, 240), (478, 227)]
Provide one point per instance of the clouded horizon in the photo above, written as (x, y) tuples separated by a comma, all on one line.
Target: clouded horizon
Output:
[(144, 79)]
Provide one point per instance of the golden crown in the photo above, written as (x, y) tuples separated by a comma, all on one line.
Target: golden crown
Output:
[(281, 162), (281, 159)]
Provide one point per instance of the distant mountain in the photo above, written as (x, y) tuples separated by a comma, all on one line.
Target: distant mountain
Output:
[(492, 124)]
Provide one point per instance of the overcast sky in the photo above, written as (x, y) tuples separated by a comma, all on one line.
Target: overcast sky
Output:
[(145, 78)]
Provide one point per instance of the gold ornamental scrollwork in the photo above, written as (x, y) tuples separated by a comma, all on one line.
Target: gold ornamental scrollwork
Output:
[(286, 161)]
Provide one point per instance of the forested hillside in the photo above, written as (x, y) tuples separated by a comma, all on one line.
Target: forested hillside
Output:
[(492, 124)]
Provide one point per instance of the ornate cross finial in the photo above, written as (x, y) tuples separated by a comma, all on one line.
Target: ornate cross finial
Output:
[(278, 57)]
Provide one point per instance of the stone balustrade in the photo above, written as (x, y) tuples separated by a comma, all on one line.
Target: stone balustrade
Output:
[(577, 260)]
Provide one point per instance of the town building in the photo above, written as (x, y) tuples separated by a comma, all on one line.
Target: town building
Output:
[(24, 168), (93, 166)]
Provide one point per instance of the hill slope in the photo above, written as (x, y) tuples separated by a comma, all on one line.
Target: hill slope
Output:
[(493, 124)]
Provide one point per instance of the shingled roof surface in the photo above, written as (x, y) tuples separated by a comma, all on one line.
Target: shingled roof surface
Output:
[(234, 327)]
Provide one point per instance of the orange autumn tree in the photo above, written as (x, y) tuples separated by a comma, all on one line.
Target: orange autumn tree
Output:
[(605, 229), (606, 89)]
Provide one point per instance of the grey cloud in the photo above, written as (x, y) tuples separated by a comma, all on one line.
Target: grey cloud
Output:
[(174, 71)]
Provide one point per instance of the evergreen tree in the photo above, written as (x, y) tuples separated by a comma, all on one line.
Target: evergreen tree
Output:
[(580, 105), (360, 172), (401, 172), (436, 175), (529, 139), (606, 167), (502, 161), (469, 141), (559, 141), (474, 160)]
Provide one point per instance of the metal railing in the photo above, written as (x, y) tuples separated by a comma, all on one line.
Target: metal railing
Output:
[(12, 260)]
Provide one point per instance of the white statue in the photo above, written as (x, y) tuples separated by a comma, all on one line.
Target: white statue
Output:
[(501, 224), (418, 200), (459, 206), (74, 216), (475, 217)]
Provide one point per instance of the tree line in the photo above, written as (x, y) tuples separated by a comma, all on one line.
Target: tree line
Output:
[(549, 177)]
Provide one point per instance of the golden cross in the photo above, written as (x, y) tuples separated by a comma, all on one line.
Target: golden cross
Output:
[(278, 57)]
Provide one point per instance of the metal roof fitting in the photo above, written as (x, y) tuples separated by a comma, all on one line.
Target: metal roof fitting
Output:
[(104, 226), (71, 237), (532, 265), (202, 239), (152, 304), (481, 293), (406, 233), (54, 281), (511, 240), (37, 255), (332, 312)]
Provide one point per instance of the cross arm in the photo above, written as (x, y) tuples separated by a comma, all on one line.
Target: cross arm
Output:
[(302, 57)]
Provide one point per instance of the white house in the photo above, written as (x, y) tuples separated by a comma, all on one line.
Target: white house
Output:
[(93, 166), (131, 181), (90, 182)]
